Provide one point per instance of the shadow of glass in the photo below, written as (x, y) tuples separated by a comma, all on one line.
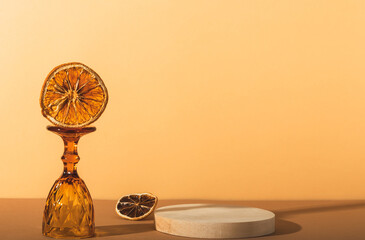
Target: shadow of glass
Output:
[(195, 206), (286, 227), (114, 230), (324, 208)]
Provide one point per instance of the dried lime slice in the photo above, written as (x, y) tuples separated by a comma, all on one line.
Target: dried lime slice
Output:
[(136, 206)]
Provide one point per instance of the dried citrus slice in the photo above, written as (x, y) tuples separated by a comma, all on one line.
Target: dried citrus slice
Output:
[(136, 206), (73, 96)]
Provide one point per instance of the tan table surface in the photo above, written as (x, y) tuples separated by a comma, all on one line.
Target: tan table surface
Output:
[(296, 220)]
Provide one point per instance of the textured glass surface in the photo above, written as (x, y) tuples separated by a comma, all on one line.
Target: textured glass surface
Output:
[(69, 211)]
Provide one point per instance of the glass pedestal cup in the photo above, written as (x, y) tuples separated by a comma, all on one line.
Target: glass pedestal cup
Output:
[(69, 211)]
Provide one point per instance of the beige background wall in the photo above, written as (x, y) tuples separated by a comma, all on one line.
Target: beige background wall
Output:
[(208, 99)]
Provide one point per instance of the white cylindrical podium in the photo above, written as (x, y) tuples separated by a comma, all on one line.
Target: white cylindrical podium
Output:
[(214, 221)]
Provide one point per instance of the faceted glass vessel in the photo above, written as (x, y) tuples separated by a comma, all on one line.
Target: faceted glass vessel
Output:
[(69, 211)]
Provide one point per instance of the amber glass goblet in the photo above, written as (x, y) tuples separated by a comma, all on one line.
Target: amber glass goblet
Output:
[(69, 211)]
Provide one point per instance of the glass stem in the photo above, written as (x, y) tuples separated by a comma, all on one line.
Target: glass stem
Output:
[(70, 156)]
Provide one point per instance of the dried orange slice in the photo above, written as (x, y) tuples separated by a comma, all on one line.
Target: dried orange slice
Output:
[(136, 206), (73, 96)]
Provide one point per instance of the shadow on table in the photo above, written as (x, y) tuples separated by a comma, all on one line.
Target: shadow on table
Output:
[(323, 208), (113, 230), (287, 227), (283, 227)]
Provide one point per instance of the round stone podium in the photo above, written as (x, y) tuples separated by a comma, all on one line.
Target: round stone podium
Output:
[(214, 221)]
